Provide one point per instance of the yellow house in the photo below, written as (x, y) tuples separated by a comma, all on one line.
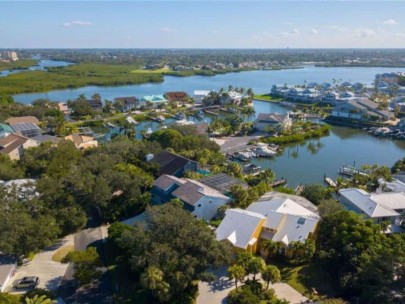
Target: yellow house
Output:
[(275, 217)]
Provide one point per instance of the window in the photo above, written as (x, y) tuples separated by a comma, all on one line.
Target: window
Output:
[(199, 205), (210, 202)]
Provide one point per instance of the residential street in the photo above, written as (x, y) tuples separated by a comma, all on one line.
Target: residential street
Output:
[(99, 293), (50, 273), (217, 291)]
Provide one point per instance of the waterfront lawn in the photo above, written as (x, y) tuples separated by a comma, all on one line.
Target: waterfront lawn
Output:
[(267, 97), (305, 277)]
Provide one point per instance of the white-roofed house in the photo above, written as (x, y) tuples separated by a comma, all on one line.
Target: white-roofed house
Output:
[(199, 95), (241, 228), (285, 221), (379, 207)]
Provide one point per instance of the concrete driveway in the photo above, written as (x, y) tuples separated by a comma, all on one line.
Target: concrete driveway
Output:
[(216, 292), (49, 272)]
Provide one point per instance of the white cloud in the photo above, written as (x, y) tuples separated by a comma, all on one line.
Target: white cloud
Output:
[(313, 32), (401, 35), (293, 32), (76, 23), (389, 22), (215, 31), (288, 23), (167, 30)]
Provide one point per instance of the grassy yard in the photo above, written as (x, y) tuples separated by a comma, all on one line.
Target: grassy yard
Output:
[(305, 277), (157, 71), (62, 252), (267, 97)]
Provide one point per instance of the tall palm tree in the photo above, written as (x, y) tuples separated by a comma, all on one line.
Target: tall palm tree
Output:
[(243, 259), (271, 274), (255, 266), (237, 273)]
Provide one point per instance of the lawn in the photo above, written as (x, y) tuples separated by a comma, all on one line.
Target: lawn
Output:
[(267, 97), (305, 277), (157, 71), (62, 252)]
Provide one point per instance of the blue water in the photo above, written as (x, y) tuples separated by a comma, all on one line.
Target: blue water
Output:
[(259, 81), (301, 163), (42, 65)]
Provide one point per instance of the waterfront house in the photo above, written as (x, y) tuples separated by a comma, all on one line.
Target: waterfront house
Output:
[(361, 109), (232, 97), (276, 216), (172, 164), (379, 207), (82, 141), (201, 200), (152, 100), (95, 104), (177, 97), (273, 120), (222, 182), (14, 144), (125, 104), (330, 97), (8, 267), (5, 130)]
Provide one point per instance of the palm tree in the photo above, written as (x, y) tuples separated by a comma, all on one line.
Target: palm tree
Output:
[(152, 279), (237, 273), (230, 88), (309, 249), (39, 300), (295, 247), (271, 274), (255, 266), (271, 247), (243, 259)]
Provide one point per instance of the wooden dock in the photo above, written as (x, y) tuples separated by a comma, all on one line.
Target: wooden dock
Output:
[(278, 182), (351, 171), (210, 112)]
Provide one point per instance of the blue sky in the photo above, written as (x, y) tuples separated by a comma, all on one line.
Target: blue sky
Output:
[(205, 24)]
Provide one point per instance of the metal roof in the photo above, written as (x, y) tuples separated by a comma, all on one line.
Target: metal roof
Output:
[(294, 229), (238, 227), (281, 205), (362, 200)]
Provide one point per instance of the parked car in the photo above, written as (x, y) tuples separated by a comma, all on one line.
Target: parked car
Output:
[(26, 283)]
